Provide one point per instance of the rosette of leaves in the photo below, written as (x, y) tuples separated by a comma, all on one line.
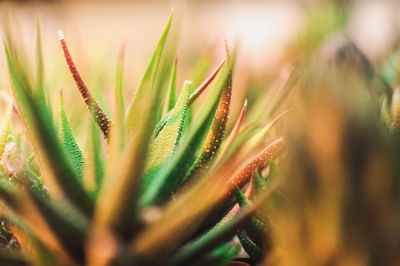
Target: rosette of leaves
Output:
[(160, 184)]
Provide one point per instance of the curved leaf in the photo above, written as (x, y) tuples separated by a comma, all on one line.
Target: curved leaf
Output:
[(165, 142), (262, 160), (147, 83), (101, 118), (69, 142), (252, 250), (48, 147), (170, 177), (232, 136)]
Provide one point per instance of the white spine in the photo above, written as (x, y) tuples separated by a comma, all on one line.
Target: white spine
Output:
[(61, 35)]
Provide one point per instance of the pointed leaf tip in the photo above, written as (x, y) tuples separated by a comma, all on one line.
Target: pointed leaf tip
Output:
[(61, 35), (205, 84), (101, 118)]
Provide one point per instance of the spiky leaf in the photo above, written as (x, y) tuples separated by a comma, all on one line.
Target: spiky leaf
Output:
[(165, 142), (69, 141), (52, 154), (170, 177), (101, 118), (254, 252), (147, 83)]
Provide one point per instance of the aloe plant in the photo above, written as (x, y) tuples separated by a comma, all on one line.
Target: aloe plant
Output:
[(158, 189)]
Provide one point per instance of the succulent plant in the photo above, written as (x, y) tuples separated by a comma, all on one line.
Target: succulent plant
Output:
[(160, 184)]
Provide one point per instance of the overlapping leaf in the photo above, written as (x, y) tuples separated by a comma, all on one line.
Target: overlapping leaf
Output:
[(170, 177), (117, 197), (52, 155), (147, 84), (69, 141), (165, 142)]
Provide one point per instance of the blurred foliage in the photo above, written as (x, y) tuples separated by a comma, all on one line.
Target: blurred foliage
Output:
[(306, 174)]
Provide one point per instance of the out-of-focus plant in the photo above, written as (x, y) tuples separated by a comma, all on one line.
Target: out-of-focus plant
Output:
[(340, 180)]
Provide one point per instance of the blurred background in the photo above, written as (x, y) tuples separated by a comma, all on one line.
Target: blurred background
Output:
[(264, 30)]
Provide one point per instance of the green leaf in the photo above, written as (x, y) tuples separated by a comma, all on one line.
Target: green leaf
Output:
[(385, 114), (165, 142), (219, 235), (162, 78), (119, 86), (47, 144), (254, 227), (260, 184), (255, 253), (117, 197), (170, 177), (69, 142), (147, 83), (39, 66), (241, 198), (172, 87), (68, 225), (222, 255), (65, 223), (94, 172)]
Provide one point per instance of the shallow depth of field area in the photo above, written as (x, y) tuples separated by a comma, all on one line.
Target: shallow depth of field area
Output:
[(200, 133)]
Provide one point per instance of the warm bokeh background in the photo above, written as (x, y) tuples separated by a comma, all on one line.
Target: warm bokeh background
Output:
[(95, 31), (263, 27)]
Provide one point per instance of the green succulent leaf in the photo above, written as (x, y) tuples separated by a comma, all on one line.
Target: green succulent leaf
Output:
[(170, 177), (69, 226), (385, 113), (241, 198), (172, 87), (40, 125), (40, 66), (254, 227), (217, 235), (222, 255), (95, 163), (255, 252), (165, 142), (147, 85), (119, 86), (69, 141), (117, 199), (260, 183)]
